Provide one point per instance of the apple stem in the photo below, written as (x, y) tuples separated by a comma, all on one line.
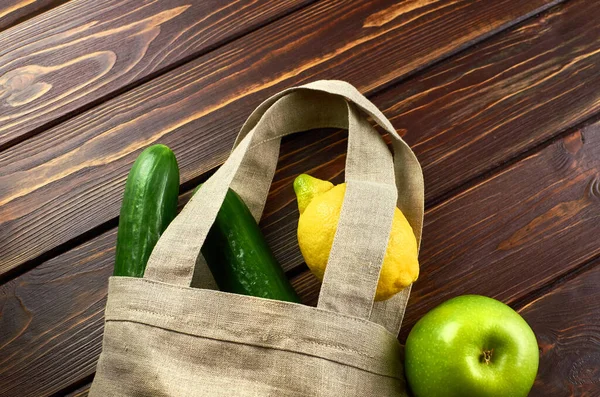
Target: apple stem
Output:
[(487, 356)]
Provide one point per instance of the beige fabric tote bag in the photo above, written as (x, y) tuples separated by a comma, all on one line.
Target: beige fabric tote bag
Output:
[(165, 338)]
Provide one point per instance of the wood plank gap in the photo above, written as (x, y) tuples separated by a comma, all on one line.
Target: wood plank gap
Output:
[(296, 271), (81, 387), (8, 21), (157, 73), (466, 46), (184, 192), (59, 250), (500, 167), (527, 299)]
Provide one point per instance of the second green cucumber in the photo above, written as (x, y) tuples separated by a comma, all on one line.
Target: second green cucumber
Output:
[(239, 257)]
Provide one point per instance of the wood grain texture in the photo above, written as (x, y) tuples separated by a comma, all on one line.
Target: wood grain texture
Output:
[(80, 52), (45, 314), (14, 11), (522, 222), (566, 322), (69, 179)]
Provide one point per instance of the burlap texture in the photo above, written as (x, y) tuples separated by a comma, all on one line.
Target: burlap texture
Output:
[(164, 338)]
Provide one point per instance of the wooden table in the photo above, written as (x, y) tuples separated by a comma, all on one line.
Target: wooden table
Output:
[(498, 98)]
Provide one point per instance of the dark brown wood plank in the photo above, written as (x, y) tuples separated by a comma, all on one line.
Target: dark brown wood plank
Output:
[(566, 322), (15, 11), (69, 179), (504, 237), (85, 50), (510, 234), (52, 321)]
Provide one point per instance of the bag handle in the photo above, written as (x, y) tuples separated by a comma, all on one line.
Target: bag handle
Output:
[(353, 269)]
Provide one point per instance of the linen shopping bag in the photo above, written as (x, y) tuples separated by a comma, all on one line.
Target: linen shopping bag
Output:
[(165, 338)]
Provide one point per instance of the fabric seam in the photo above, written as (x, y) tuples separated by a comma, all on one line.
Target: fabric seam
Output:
[(256, 345)]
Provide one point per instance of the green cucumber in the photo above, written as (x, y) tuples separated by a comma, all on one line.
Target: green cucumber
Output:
[(149, 205), (238, 255)]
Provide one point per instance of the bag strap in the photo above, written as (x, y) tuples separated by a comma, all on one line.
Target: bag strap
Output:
[(359, 245)]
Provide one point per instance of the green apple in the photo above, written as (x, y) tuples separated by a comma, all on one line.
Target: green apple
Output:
[(468, 346)]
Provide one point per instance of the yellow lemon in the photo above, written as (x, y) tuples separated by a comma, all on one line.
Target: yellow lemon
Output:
[(320, 203)]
